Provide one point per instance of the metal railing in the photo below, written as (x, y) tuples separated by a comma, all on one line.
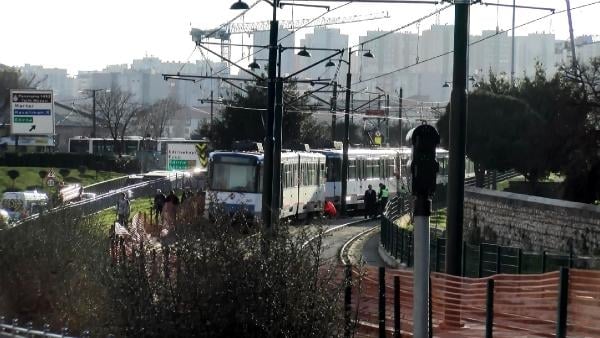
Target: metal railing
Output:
[(108, 199), (479, 260), (13, 329), (106, 186)]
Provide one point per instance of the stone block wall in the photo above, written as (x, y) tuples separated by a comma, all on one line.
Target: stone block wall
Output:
[(530, 222)]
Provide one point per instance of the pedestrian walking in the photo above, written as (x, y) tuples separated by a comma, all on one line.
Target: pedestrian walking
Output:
[(384, 195), (159, 203), (123, 210), (370, 203)]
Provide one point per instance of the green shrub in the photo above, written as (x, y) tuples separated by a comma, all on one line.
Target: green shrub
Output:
[(13, 174), (64, 172), (82, 169)]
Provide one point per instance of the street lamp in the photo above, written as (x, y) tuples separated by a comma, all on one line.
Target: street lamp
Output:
[(304, 52), (254, 65), (239, 5)]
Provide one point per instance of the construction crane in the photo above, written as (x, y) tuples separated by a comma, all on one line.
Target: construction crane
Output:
[(224, 33)]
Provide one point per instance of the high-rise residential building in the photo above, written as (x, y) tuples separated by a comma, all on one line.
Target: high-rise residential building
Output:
[(534, 48), (286, 38), (323, 37), (56, 79)]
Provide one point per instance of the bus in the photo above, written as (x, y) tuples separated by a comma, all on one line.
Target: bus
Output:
[(106, 146)]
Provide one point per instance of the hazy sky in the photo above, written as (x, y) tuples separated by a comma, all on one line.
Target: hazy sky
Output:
[(88, 35)]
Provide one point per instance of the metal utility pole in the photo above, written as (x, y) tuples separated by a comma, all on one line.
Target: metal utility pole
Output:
[(572, 36), (387, 118), (512, 54), (400, 117), (346, 136), (211, 110), (458, 126), (267, 196), (333, 111), (275, 206), (94, 112)]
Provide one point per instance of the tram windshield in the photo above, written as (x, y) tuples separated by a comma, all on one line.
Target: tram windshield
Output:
[(235, 175)]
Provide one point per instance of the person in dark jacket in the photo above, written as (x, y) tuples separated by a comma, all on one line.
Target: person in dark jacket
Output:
[(370, 202), (159, 203)]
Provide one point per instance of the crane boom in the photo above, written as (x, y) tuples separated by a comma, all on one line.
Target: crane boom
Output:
[(238, 28)]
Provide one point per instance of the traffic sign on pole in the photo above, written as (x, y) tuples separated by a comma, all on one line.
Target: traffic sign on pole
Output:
[(31, 112)]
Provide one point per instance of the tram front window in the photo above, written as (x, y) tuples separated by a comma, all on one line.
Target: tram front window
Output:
[(234, 177)]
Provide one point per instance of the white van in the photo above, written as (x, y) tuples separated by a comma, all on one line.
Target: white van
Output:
[(21, 204)]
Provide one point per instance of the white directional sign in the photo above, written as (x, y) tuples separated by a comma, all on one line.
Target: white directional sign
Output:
[(32, 112)]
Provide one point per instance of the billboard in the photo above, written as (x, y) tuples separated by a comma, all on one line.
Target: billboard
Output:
[(183, 156), (31, 112)]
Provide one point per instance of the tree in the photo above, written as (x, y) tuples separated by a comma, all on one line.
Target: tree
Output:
[(499, 133), (11, 78), (82, 169), (581, 163), (42, 174), (158, 115), (244, 117), (13, 174), (118, 110), (64, 172)]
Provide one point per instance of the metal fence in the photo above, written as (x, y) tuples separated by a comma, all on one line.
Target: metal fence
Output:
[(109, 199), (13, 329), (479, 260)]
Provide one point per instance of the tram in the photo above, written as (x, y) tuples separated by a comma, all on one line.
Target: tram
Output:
[(235, 182)]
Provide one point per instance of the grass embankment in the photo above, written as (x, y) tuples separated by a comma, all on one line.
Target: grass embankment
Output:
[(503, 185), (109, 216), (437, 221), (29, 178)]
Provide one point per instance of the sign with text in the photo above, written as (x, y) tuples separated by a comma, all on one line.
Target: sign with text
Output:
[(182, 156), (31, 112)]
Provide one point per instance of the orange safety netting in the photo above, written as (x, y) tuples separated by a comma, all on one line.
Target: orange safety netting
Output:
[(524, 305)]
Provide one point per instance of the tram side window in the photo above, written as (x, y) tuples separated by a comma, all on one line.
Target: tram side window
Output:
[(391, 167), (79, 146), (334, 168), (352, 169), (131, 146)]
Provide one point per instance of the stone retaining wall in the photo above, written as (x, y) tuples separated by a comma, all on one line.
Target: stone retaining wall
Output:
[(530, 222)]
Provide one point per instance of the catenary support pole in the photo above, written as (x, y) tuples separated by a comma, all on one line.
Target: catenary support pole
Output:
[(346, 137), (333, 111), (275, 207), (400, 117), (456, 167), (267, 197), (458, 119)]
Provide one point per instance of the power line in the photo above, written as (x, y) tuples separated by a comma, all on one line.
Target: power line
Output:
[(472, 43)]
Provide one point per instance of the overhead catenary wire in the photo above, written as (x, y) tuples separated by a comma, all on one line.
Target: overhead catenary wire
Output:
[(472, 43)]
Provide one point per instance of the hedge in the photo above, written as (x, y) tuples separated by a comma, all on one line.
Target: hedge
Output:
[(71, 160)]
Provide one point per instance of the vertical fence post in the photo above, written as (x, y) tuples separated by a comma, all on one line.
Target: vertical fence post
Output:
[(396, 231), (571, 263), (437, 255), (489, 309), (543, 261), (498, 259), (382, 302), (402, 245), (563, 299), (464, 260), (430, 305), (348, 301), (397, 307), (480, 264), (520, 261)]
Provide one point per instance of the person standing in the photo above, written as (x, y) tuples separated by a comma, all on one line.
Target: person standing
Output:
[(370, 203), (159, 203), (123, 210), (384, 195)]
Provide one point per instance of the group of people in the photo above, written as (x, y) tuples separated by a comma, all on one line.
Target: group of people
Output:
[(165, 207), (372, 198)]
